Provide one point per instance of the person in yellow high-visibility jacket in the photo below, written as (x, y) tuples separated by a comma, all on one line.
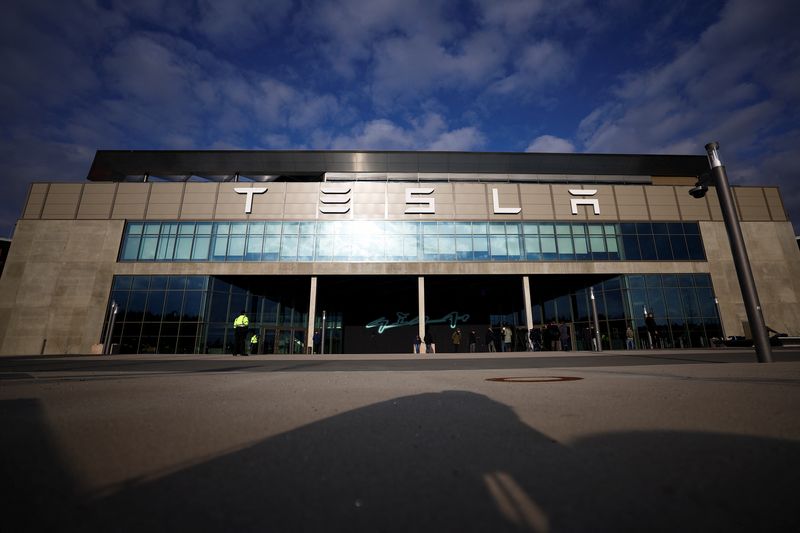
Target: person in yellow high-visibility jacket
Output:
[(254, 344), (240, 324)]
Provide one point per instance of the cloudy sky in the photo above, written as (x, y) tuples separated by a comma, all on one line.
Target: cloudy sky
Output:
[(621, 76)]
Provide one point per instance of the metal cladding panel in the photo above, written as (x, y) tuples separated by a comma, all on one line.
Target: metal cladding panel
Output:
[(116, 165)]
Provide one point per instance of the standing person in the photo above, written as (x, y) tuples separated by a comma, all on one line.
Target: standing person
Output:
[(417, 342), (536, 339), (629, 344), (552, 329), (650, 322), (254, 344), (240, 324), (490, 340), (506, 338), (473, 340), (456, 338), (316, 339), (588, 340), (430, 343), (563, 333)]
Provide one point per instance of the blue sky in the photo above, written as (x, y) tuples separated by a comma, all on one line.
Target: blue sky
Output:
[(621, 76)]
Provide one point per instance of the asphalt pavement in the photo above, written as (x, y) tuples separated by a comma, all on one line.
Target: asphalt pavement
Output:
[(704, 440)]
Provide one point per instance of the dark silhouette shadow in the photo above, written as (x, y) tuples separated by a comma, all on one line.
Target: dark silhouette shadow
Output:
[(449, 461)]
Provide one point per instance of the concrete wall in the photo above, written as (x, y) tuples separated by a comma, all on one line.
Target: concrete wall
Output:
[(386, 201), (775, 261), (56, 284)]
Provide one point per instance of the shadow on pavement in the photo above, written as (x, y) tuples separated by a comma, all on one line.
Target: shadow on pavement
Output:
[(450, 461)]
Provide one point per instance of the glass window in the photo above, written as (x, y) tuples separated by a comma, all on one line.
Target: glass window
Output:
[(172, 305), (255, 228), (565, 247), (691, 228), (158, 282), (497, 244), (155, 303), (532, 247), (325, 247), (152, 228), (166, 248), (548, 245), (648, 247), (201, 248), (546, 229), (141, 282), (272, 228), (291, 228), (186, 228), (563, 229), (663, 249), (410, 246), (148, 252), (430, 246), (130, 251), (446, 228), (203, 228), (598, 244), (464, 247), (530, 229), (447, 248), (679, 249), (513, 246), (135, 228), (196, 282), (254, 245), (122, 282), (429, 228), (183, 251), (479, 228), (480, 246), (305, 248), (694, 247), (463, 228), (220, 247), (581, 246), (497, 228), (222, 228), (289, 247), (307, 228), (394, 247)]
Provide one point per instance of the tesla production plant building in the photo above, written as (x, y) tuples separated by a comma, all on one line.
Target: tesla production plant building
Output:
[(159, 251)]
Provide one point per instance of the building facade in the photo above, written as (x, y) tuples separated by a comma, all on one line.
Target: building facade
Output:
[(360, 245)]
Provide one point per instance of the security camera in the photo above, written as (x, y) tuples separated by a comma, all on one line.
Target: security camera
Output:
[(699, 191)]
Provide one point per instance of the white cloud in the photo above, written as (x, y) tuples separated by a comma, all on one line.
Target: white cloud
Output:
[(538, 65), (550, 143), (428, 133)]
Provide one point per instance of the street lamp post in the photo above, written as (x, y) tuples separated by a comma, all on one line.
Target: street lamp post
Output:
[(740, 260), (597, 338)]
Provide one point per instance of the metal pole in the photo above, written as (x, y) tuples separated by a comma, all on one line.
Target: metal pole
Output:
[(740, 260), (719, 314), (111, 328), (322, 338), (596, 321), (112, 313)]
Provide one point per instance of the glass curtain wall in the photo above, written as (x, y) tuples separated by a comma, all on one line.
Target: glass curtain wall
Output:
[(389, 241)]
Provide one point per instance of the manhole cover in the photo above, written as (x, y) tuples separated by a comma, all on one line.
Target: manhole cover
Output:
[(535, 379)]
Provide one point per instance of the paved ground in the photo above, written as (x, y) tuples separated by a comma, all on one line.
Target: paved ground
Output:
[(664, 441)]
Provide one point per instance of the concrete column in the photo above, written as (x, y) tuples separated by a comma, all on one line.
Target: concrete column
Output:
[(312, 308), (526, 294), (421, 311)]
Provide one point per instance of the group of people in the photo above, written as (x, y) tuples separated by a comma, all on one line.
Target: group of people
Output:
[(551, 337)]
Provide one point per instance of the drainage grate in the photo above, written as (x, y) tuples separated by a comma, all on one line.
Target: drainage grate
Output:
[(534, 379)]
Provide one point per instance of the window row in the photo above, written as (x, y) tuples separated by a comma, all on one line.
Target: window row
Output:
[(412, 241)]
